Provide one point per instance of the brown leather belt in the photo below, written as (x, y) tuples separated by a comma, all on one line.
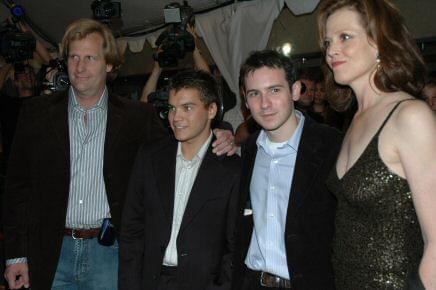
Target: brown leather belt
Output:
[(82, 233), (270, 280)]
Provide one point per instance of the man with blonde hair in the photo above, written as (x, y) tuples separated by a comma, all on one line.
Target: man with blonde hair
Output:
[(69, 169)]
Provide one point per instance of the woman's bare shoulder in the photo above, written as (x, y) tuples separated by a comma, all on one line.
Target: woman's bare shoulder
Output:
[(414, 114)]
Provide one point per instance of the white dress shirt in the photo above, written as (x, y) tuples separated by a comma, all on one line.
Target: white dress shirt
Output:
[(186, 173)]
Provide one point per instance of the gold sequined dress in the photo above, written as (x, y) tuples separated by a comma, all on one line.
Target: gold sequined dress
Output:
[(378, 241)]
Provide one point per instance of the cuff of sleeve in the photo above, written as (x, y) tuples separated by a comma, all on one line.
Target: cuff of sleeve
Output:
[(16, 261)]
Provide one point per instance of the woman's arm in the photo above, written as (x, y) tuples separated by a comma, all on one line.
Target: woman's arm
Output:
[(415, 125)]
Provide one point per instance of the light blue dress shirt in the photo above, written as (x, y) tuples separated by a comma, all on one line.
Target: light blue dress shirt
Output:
[(270, 191)]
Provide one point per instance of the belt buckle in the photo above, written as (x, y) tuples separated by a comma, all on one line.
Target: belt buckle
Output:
[(277, 281), (262, 280), (73, 235)]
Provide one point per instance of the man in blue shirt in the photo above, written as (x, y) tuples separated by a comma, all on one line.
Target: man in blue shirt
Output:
[(283, 189)]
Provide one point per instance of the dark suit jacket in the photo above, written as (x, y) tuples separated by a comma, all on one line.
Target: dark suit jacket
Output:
[(37, 184), (205, 243), (311, 209)]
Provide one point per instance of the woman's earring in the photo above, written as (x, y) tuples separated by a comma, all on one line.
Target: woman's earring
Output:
[(377, 59)]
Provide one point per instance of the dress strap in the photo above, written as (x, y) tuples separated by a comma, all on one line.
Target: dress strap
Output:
[(390, 114)]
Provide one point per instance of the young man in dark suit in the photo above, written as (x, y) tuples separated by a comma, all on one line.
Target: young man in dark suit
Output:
[(181, 209), (284, 169)]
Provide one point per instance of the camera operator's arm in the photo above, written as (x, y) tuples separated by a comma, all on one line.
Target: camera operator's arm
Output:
[(151, 84), (41, 50), (199, 61)]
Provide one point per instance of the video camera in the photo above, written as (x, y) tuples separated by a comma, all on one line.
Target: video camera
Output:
[(177, 41), (60, 80), (16, 46), (159, 100), (104, 10)]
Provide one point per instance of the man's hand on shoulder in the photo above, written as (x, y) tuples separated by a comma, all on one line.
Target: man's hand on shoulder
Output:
[(17, 275), (224, 143)]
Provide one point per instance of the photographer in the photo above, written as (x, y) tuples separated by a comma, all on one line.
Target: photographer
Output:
[(41, 51), (200, 63), (16, 86), (17, 83)]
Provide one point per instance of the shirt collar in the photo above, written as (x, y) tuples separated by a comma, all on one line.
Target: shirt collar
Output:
[(291, 142), (200, 154), (101, 104)]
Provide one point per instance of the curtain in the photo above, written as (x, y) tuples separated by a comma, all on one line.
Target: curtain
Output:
[(231, 33)]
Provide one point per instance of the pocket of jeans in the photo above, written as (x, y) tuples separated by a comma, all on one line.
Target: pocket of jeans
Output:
[(115, 245)]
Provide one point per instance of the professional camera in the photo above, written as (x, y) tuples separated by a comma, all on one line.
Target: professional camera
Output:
[(16, 46), (104, 10), (159, 100), (174, 43), (179, 15), (60, 81)]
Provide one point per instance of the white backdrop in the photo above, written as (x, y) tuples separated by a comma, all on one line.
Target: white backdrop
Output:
[(232, 32)]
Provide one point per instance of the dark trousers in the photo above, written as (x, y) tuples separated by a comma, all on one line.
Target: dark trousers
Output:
[(251, 281), (167, 280)]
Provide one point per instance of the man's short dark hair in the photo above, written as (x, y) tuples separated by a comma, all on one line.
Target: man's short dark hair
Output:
[(266, 58), (200, 80)]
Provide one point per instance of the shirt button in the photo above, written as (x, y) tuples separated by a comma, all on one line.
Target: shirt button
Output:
[(80, 201), (271, 215), (275, 161), (272, 187)]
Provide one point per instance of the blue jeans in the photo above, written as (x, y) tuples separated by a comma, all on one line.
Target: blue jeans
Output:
[(86, 265)]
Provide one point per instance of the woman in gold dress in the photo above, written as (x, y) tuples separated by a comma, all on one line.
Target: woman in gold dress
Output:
[(385, 178)]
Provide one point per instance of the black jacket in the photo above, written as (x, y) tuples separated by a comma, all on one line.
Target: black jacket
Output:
[(38, 178), (205, 243), (311, 209)]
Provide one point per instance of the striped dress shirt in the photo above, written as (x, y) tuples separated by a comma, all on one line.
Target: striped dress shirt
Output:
[(87, 202), (186, 173)]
